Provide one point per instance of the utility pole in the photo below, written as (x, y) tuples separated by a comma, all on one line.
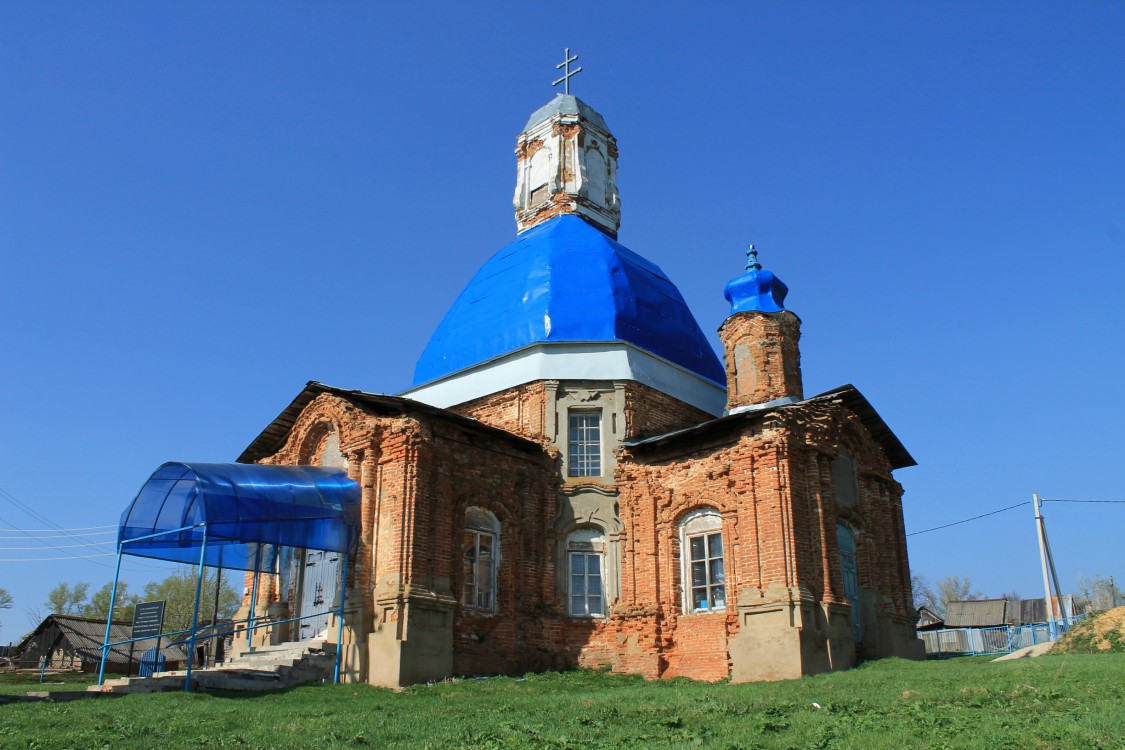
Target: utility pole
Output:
[(1043, 559)]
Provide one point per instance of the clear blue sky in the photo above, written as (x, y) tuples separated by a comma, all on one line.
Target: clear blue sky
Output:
[(205, 205)]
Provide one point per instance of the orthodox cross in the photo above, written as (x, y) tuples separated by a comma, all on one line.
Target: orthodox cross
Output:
[(565, 65), (752, 263)]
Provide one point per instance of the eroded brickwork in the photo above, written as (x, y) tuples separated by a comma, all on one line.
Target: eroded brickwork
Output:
[(649, 412), (771, 476), (763, 359), (523, 410), (526, 410)]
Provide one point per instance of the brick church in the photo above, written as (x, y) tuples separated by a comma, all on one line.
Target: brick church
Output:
[(576, 479)]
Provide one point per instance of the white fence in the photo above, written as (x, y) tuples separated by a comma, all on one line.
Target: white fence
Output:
[(999, 640)]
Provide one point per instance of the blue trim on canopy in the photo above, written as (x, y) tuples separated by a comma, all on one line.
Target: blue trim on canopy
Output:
[(245, 507), (566, 281)]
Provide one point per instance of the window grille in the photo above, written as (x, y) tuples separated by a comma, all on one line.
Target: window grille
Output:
[(586, 597), (481, 547), (586, 565), (704, 568), (584, 437)]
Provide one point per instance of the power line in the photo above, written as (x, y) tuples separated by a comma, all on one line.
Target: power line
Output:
[(95, 546), (55, 546), (1113, 502), (58, 536), (70, 556), (974, 518), (77, 528)]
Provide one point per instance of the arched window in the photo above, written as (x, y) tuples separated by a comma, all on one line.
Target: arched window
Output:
[(845, 537), (701, 553), (481, 555), (585, 551)]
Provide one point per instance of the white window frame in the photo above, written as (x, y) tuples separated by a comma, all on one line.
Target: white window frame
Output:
[(584, 467), (702, 524), (479, 523), (589, 544)]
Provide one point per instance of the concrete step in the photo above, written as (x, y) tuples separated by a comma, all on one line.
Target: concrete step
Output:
[(265, 668)]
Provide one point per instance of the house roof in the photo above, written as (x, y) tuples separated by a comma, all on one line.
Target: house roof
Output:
[(846, 395), (84, 636), (928, 619), (270, 440), (976, 613)]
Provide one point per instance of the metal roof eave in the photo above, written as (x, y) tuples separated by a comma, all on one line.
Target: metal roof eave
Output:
[(270, 439), (846, 395)]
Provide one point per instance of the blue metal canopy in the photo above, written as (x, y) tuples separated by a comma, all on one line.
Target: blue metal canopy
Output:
[(238, 509), (565, 281)]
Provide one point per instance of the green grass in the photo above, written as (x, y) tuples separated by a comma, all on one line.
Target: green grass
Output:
[(1069, 701), (12, 683)]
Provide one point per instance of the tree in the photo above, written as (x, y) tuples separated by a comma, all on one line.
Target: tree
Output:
[(1096, 592), (923, 593), (5, 599), (178, 591), (98, 606), (65, 600), (954, 589)]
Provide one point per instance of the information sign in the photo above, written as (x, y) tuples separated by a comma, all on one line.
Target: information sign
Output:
[(148, 620)]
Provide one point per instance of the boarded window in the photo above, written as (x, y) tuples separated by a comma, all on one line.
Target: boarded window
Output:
[(844, 479), (849, 569)]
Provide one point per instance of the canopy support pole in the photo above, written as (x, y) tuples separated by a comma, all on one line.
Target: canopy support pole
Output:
[(254, 597), (340, 620), (109, 617), (195, 613)]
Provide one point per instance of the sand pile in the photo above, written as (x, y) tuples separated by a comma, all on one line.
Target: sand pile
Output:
[(1098, 633)]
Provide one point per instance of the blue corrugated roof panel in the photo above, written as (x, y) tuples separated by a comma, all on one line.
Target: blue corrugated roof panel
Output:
[(566, 281)]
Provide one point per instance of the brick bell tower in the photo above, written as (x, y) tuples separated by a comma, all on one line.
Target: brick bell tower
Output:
[(760, 339)]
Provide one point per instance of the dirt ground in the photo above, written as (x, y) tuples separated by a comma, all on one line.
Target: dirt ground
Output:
[(1104, 632)]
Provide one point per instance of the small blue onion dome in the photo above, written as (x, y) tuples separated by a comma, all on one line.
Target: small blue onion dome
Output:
[(756, 289)]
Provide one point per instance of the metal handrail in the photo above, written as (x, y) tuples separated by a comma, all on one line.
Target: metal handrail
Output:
[(194, 630)]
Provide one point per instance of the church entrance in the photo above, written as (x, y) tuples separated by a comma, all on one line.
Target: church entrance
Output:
[(319, 583)]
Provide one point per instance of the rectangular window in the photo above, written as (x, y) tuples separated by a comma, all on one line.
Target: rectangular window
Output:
[(480, 570), (708, 581), (586, 599), (584, 444)]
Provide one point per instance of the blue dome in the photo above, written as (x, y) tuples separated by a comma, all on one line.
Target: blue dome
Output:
[(565, 281), (757, 289)]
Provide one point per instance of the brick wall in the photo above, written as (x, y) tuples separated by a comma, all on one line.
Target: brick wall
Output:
[(770, 480), (649, 412), (768, 475), (525, 410), (522, 410), (763, 360)]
